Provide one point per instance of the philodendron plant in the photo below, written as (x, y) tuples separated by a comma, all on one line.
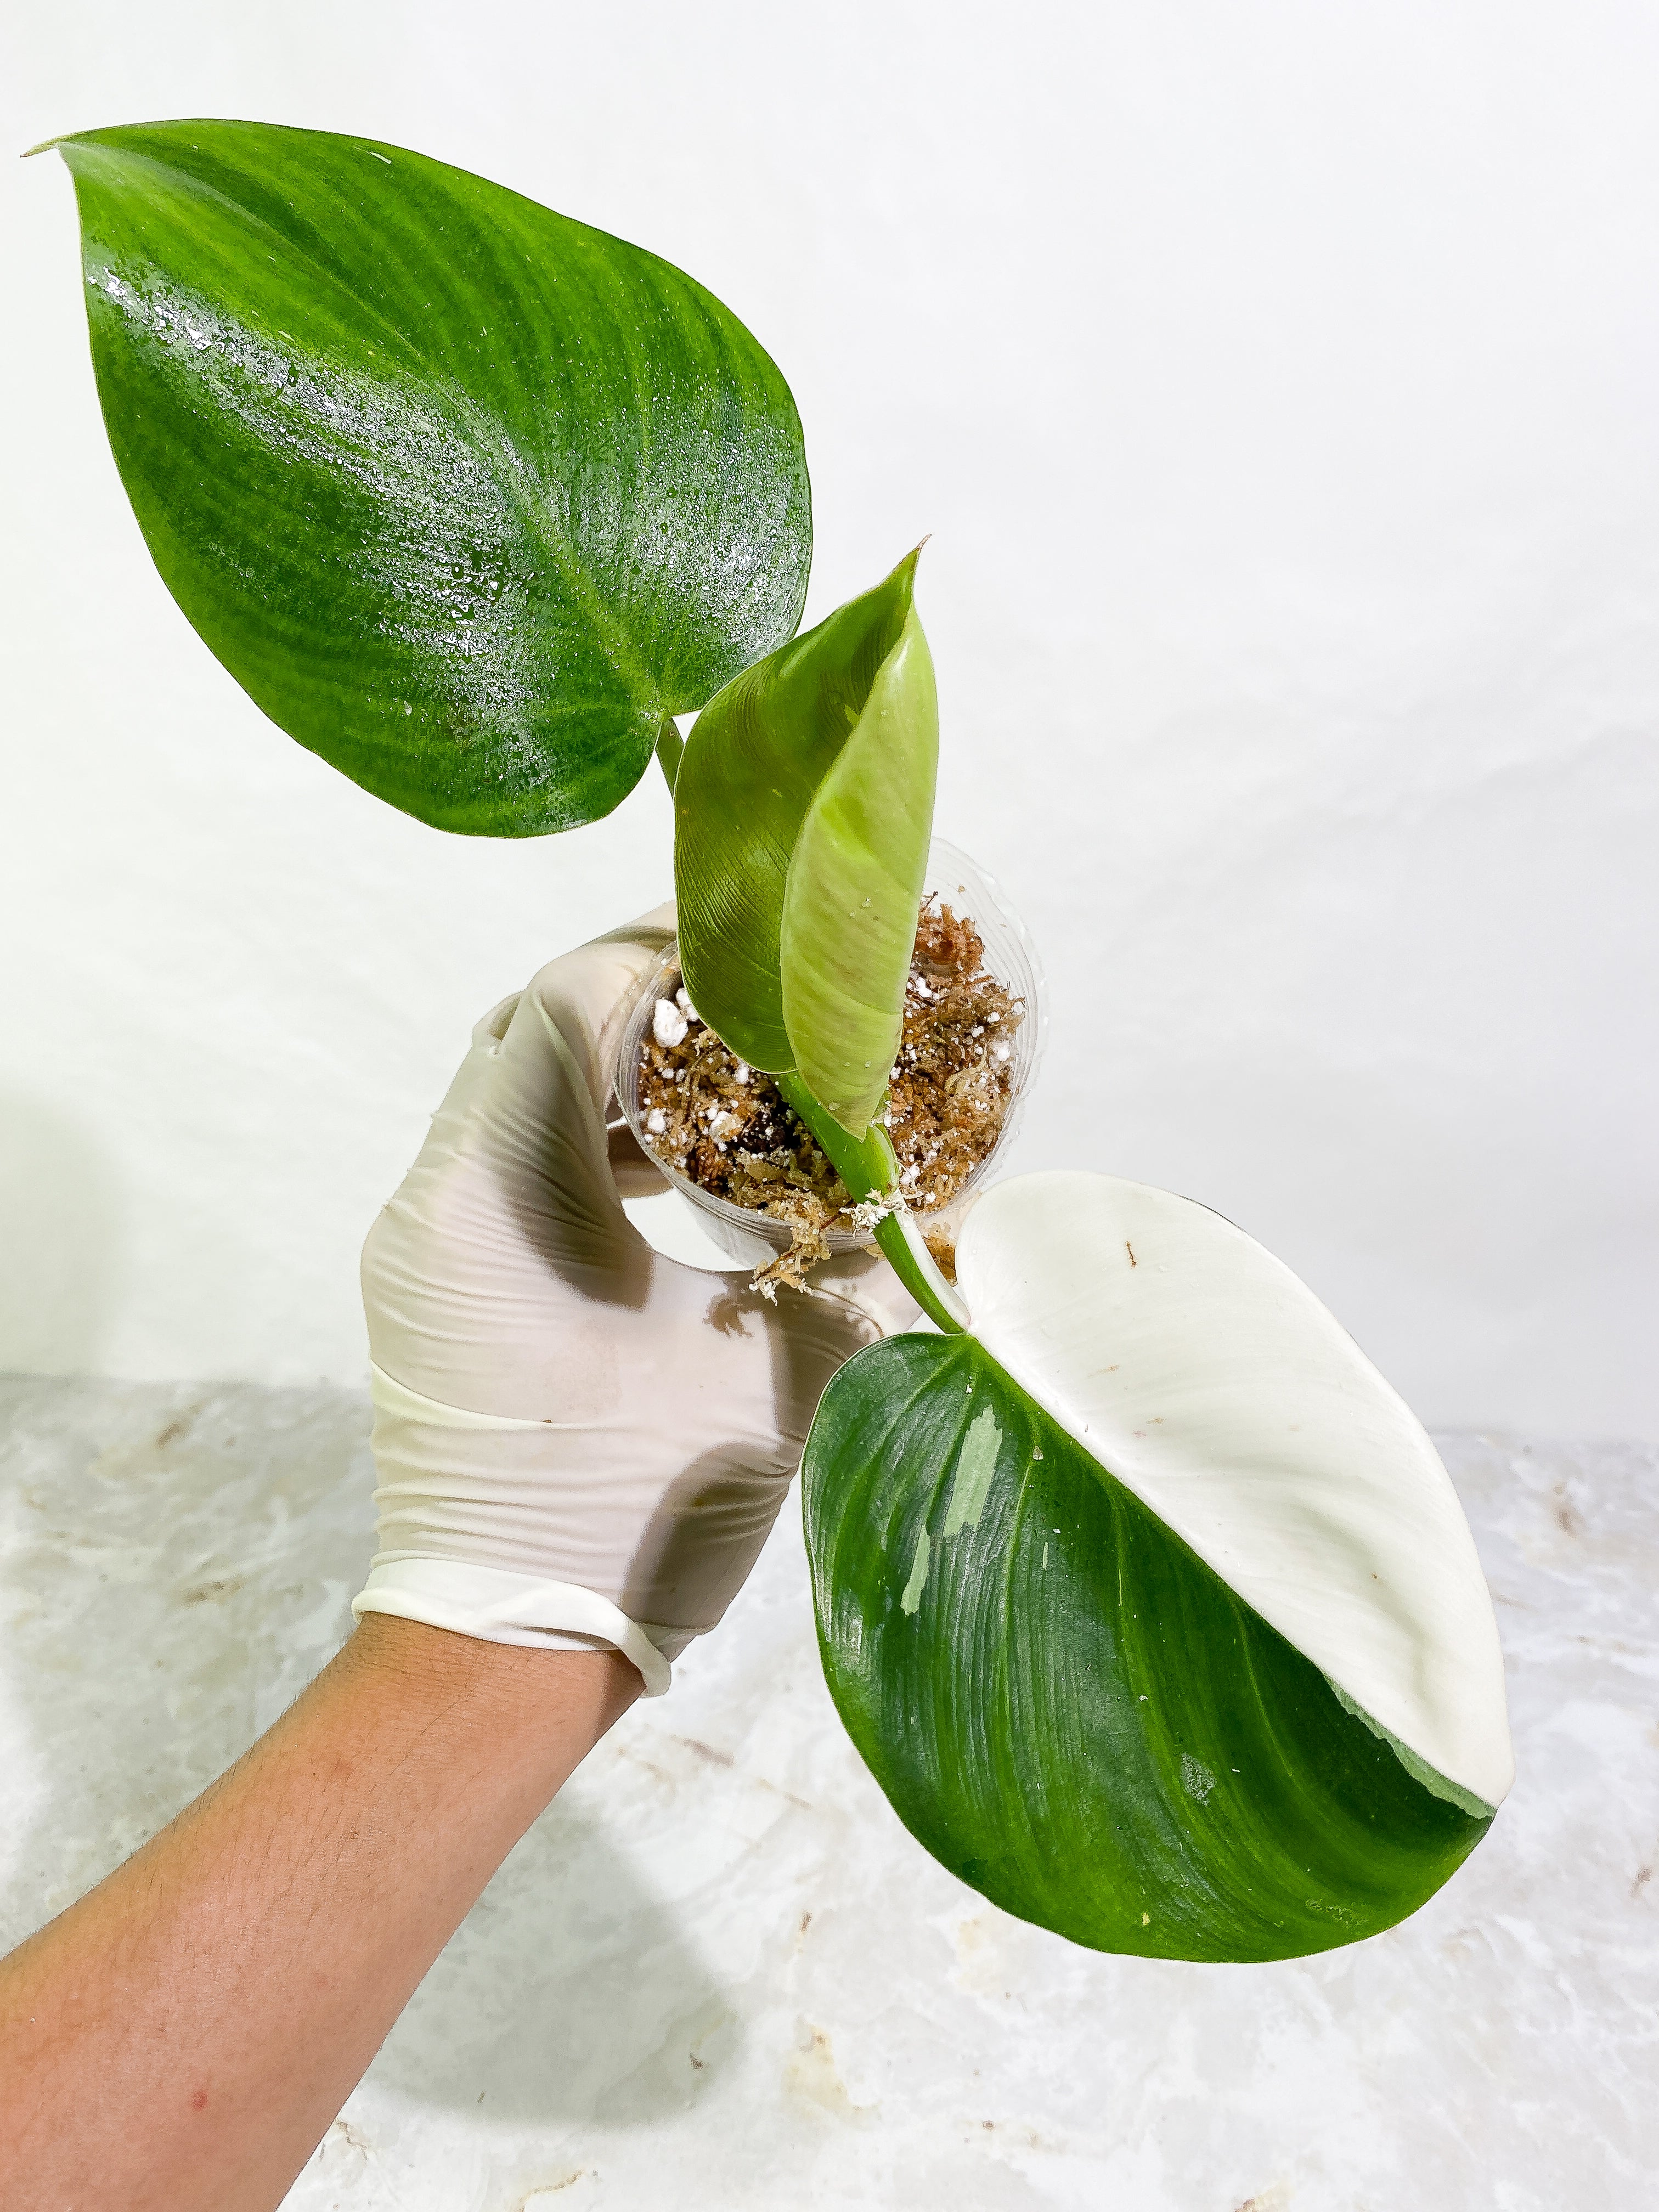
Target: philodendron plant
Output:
[(1146, 1600)]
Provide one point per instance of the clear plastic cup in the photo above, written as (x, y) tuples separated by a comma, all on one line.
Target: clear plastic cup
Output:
[(752, 1239)]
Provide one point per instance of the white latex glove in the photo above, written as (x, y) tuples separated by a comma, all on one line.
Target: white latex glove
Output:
[(579, 1442)]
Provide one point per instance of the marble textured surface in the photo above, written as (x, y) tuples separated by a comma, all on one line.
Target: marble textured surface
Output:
[(719, 1975)]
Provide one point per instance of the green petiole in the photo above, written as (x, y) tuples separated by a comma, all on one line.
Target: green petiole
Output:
[(670, 746), (868, 1166)]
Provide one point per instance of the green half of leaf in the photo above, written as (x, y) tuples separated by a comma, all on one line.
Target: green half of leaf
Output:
[(1067, 1707), (803, 811), (467, 495)]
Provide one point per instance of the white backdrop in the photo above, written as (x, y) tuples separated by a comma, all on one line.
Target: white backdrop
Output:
[(1280, 384)]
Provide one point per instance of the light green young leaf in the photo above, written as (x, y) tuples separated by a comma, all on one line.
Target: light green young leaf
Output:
[(803, 811), (467, 495), (1150, 1605), (853, 888)]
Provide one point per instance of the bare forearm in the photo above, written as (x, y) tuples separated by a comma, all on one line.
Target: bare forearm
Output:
[(183, 2036)]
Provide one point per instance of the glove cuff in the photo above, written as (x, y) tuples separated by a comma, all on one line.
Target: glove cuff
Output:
[(499, 1607)]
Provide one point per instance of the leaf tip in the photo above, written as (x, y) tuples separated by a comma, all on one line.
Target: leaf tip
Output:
[(46, 146), (906, 571)]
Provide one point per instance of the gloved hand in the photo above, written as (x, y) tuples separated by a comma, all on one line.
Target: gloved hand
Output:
[(579, 1442)]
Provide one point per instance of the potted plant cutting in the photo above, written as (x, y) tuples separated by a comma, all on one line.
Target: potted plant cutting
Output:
[(1146, 1600)]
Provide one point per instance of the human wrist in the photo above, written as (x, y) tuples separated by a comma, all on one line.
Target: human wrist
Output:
[(438, 1678)]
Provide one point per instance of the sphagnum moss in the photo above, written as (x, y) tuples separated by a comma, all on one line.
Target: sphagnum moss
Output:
[(726, 1127)]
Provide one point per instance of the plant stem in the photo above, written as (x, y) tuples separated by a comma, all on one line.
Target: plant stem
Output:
[(868, 1166), (670, 746)]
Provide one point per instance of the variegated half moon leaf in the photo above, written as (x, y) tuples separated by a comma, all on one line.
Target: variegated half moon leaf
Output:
[(1150, 1605)]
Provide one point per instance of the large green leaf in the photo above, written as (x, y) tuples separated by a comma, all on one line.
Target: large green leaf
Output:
[(1149, 1606), (467, 495), (802, 816)]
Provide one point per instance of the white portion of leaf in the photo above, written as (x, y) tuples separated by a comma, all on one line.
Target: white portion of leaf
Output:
[(1213, 1383), (977, 1462), (910, 1596)]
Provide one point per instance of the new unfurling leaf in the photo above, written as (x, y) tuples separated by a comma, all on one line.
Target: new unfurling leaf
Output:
[(802, 815)]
